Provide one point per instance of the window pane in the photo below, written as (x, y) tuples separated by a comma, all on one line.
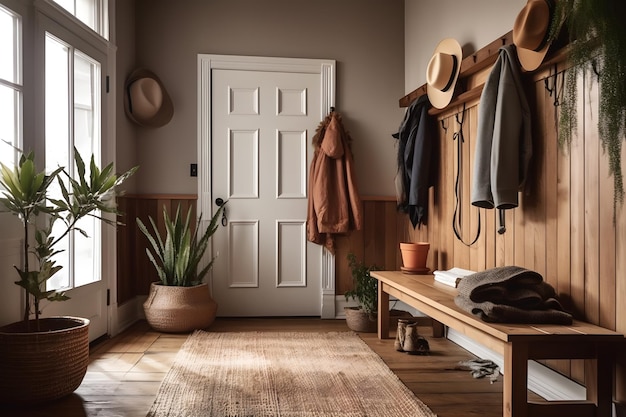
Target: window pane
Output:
[(9, 122), (77, 101), (58, 139), (87, 252), (10, 88), (57, 104), (87, 106), (67, 5), (87, 141), (86, 12), (9, 53)]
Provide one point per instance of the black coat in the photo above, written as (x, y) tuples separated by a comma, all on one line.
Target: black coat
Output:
[(416, 161)]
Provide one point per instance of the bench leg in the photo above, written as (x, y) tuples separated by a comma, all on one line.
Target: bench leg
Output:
[(599, 381), (383, 312), (515, 390)]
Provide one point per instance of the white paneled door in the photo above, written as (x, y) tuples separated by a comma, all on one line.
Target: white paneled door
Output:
[(262, 123)]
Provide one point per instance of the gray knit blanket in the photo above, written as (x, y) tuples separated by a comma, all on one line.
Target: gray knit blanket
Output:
[(510, 294)]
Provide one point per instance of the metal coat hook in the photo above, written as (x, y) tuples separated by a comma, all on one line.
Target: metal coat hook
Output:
[(443, 125), (594, 66), (555, 89), (462, 113)]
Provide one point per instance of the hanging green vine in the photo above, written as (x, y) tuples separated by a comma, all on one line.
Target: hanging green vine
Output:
[(597, 37)]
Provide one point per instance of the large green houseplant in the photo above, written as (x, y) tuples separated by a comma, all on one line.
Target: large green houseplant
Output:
[(181, 301), (46, 358)]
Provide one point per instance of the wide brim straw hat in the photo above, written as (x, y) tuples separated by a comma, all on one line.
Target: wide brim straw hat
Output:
[(443, 71), (531, 33), (146, 101)]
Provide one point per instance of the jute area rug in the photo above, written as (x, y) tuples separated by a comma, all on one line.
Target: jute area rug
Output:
[(286, 374)]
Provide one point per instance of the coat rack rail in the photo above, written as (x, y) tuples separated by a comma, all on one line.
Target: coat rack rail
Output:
[(475, 62)]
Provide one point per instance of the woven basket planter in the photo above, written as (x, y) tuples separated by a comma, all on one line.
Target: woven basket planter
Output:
[(359, 321), (46, 365), (173, 309)]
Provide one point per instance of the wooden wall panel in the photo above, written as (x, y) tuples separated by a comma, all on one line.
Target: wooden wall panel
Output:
[(135, 271), (377, 244), (620, 290), (562, 228)]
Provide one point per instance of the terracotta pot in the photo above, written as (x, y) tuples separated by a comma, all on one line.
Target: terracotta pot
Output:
[(414, 255), (45, 365), (173, 309)]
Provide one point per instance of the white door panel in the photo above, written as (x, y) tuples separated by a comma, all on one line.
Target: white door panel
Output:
[(262, 124)]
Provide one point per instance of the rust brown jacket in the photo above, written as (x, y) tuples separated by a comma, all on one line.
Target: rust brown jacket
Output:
[(334, 203)]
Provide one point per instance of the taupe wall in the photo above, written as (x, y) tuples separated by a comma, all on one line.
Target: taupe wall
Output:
[(473, 23), (365, 37), (123, 36)]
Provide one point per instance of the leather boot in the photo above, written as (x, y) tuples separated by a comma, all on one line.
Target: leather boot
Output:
[(414, 344), (400, 335)]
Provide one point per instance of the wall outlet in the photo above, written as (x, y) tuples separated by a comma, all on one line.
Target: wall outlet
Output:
[(193, 170)]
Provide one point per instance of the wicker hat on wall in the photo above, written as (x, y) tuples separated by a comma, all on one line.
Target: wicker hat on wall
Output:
[(146, 101), (443, 71), (531, 32)]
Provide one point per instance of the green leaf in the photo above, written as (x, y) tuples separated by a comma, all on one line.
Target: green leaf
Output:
[(183, 248)]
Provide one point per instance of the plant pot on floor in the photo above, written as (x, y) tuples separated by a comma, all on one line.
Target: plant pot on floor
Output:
[(362, 322), (45, 365), (175, 309), (414, 256)]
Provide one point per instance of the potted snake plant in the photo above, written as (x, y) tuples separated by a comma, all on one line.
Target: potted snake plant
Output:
[(46, 358), (180, 301)]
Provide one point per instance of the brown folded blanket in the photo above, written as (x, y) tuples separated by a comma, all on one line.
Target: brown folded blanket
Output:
[(511, 294)]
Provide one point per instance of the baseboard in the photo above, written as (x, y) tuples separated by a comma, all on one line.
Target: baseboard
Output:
[(125, 315), (542, 380)]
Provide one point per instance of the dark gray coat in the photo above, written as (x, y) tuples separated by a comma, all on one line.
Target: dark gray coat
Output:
[(504, 142)]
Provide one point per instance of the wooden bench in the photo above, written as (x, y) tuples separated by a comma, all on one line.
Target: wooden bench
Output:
[(517, 343)]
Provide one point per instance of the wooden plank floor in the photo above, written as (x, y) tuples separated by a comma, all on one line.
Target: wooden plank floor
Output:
[(125, 372)]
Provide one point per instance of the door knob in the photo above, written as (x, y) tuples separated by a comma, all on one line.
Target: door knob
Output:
[(220, 202)]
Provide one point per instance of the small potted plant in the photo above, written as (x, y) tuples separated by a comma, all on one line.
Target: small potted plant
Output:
[(362, 318), (46, 358), (180, 301)]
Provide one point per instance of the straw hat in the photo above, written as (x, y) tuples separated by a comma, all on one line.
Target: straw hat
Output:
[(531, 32), (443, 71), (146, 101)]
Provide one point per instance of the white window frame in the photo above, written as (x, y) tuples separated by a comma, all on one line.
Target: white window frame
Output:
[(51, 18), (17, 85), (101, 20)]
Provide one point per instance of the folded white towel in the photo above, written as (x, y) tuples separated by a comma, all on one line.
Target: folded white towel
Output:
[(453, 276)]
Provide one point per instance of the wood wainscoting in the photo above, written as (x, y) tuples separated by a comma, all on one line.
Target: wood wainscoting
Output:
[(565, 227), (135, 272), (376, 244)]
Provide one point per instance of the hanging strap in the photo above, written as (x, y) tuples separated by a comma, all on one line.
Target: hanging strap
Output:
[(457, 218)]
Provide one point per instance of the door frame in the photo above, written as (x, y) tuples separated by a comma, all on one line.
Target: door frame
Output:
[(208, 62)]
